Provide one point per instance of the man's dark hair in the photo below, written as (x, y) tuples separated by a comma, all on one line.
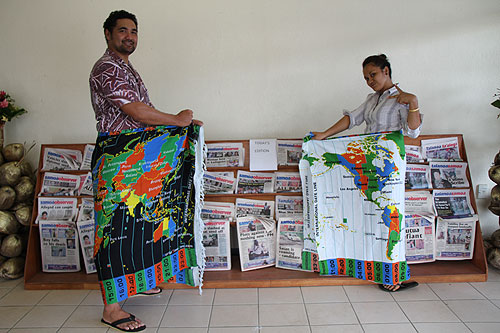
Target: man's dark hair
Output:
[(380, 61), (110, 22)]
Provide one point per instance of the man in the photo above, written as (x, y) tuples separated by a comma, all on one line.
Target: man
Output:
[(121, 102)]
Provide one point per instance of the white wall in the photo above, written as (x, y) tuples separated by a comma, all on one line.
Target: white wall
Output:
[(235, 63)]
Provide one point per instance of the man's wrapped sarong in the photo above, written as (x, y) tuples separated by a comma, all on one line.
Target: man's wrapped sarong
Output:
[(147, 191), (353, 190)]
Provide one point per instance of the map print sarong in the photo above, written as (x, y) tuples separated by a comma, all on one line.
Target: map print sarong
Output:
[(354, 189), (147, 186)]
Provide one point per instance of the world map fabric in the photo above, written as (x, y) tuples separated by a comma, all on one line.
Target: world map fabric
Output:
[(354, 190), (147, 194)]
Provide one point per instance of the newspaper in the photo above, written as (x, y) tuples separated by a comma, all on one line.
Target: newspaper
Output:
[(56, 209), (444, 149), (86, 230), (419, 202), (61, 159), (86, 210), (288, 206), (308, 208), (417, 176), (217, 245), (217, 183), (254, 182), (448, 174), (453, 203), (420, 238), (455, 238), (86, 186), (87, 157), (218, 211), (413, 154), (59, 184), (262, 208), (287, 182), (227, 154), (256, 244), (59, 246), (289, 152), (290, 243)]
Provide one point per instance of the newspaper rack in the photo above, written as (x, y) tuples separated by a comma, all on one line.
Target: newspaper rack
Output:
[(474, 270)]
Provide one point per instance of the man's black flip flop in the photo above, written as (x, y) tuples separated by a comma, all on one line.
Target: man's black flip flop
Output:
[(402, 286), (123, 321)]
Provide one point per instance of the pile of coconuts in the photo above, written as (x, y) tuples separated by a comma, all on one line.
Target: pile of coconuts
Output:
[(492, 245), (17, 190)]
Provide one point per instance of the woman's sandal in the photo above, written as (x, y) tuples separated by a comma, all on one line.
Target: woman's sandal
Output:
[(402, 286)]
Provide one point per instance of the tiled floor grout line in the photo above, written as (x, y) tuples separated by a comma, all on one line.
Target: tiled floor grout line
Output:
[(211, 310), (305, 309), (352, 307)]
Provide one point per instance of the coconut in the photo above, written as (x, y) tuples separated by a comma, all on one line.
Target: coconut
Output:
[(494, 173), (495, 194), (496, 160), (26, 169), (12, 246), (12, 268), (495, 238), (25, 189), (487, 245), (23, 215), (13, 152), (2, 259), (495, 209), (7, 197), (1, 159), (10, 173), (494, 258), (8, 223)]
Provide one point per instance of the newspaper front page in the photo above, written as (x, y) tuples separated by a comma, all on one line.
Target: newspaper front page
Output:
[(86, 210), (257, 244), (217, 245), (61, 159), (417, 177), (86, 187), (225, 154), (289, 152), (216, 183), (420, 238), (287, 182), (444, 149), (87, 157), (413, 154), (218, 211), (59, 184), (448, 174), (453, 203), (419, 202), (59, 246), (455, 238), (86, 233), (254, 182), (288, 206), (290, 243), (58, 209), (262, 208)]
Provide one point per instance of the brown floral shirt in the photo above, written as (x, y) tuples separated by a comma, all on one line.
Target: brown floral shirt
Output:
[(113, 83)]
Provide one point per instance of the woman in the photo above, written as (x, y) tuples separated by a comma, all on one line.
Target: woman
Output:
[(387, 109)]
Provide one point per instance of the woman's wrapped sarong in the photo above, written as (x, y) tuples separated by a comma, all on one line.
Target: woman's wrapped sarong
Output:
[(147, 184)]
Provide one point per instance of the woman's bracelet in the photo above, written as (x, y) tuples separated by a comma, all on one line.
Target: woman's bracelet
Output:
[(414, 110)]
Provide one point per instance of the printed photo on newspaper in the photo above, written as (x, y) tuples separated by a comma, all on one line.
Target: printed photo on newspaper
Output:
[(413, 154), (287, 182), (60, 184), (256, 242), (254, 182), (419, 202), (420, 238), (289, 152), (86, 229), (218, 183), (455, 238), (86, 210), (443, 149), (262, 208), (448, 174), (290, 243), (288, 206), (87, 157), (453, 203), (61, 159), (417, 176), (217, 245), (59, 246), (56, 209), (225, 154)]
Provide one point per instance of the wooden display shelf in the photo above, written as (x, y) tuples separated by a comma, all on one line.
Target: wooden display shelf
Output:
[(474, 270)]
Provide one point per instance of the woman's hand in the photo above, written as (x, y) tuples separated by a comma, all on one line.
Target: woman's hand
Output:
[(405, 98), (318, 136)]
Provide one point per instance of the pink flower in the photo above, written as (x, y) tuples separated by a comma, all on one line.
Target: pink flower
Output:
[(4, 104), (2, 94)]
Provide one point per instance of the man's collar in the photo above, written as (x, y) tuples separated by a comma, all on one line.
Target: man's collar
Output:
[(115, 56)]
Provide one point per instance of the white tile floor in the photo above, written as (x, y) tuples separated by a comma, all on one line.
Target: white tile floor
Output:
[(434, 307)]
